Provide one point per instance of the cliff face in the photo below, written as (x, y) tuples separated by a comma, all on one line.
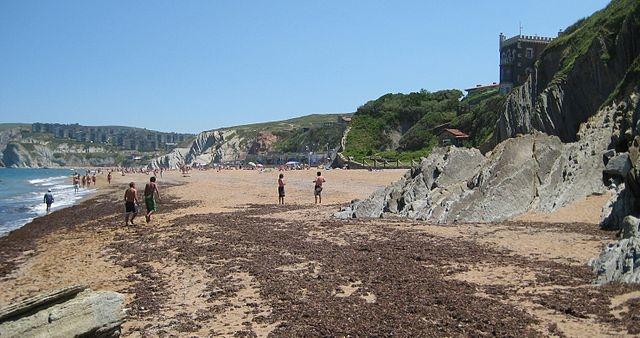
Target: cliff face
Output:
[(34, 155), (529, 173), (219, 146), (576, 74), (236, 143)]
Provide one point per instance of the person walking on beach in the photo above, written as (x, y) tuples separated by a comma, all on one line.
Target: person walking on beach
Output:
[(84, 181), (109, 177), (281, 189), (150, 191), (75, 183), (130, 203), (317, 191), (48, 200), (93, 179)]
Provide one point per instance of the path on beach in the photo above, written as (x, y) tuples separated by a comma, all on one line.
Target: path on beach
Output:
[(223, 259)]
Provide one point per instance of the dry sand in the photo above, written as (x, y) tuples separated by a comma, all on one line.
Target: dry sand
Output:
[(221, 259)]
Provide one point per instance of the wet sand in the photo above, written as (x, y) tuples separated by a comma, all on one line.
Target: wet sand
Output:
[(222, 259)]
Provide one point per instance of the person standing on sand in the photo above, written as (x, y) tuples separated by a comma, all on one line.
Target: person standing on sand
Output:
[(130, 203), (109, 177), (281, 189), (48, 200), (150, 190), (93, 179), (84, 181), (76, 183), (317, 191)]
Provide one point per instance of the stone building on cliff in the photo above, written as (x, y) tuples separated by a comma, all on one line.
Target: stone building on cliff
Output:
[(517, 57)]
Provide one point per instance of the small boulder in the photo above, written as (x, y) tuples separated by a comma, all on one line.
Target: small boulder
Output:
[(618, 165)]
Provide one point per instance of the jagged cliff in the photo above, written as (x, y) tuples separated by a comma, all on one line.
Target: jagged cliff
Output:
[(576, 74), (313, 132), (533, 172)]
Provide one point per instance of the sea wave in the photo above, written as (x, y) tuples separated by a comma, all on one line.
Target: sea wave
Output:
[(43, 181)]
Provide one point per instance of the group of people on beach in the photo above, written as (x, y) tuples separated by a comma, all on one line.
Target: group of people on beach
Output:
[(152, 193), (131, 202), (317, 190), (87, 179)]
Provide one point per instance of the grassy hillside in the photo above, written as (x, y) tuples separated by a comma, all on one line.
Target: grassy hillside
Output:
[(603, 25), (315, 131), (7, 126), (403, 126)]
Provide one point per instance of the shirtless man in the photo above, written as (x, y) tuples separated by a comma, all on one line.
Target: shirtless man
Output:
[(130, 203), (109, 177), (317, 191), (149, 190), (76, 183)]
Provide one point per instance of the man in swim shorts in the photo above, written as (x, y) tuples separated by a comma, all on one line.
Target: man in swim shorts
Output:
[(130, 203), (150, 191)]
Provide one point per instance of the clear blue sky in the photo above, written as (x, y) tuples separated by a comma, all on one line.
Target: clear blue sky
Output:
[(189, 66)]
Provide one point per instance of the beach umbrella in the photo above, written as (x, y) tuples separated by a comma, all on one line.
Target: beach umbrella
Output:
[(292, 163), (252, 164), (259, 165)]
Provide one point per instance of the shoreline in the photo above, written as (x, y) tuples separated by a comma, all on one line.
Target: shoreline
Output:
[(24, 238), (35, 186)]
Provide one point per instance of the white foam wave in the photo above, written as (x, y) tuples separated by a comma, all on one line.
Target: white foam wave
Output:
[(42, 181)]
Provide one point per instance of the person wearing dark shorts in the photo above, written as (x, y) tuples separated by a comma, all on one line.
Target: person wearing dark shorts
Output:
[(317, 191), (281, 189), (130, 203)]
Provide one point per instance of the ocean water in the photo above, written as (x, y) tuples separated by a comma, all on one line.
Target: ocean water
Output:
[(22, 193)]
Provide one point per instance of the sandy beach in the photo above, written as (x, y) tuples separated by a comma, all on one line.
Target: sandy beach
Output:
[(221, 258)]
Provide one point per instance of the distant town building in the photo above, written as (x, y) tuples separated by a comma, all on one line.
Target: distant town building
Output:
[(121, 137), (452, 137), (517, 57)]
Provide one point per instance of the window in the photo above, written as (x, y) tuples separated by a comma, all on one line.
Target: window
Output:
[(529, 53)]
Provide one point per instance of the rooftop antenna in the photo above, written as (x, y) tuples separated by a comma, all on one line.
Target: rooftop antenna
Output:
[(520, 23)]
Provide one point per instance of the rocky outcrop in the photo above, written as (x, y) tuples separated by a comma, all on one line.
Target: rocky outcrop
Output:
[(619, 260), (15, 156), (174, 159), (557, 101), (217, 146), (38, 155), (69, 312), (532, 172)]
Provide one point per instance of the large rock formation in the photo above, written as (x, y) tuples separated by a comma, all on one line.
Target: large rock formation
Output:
[(68, 312), (532, 172), (559, 96), (209, 146), (618, 262)]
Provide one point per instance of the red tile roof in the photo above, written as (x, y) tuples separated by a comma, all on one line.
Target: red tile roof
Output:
[(457, 133)]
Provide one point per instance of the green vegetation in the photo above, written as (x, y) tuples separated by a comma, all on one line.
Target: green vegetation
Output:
[(316, 138), (630, 81), (315, 131), (406, 126), (478, 115), (7, 126), (307, 121), (603, 26), (400, 122)]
